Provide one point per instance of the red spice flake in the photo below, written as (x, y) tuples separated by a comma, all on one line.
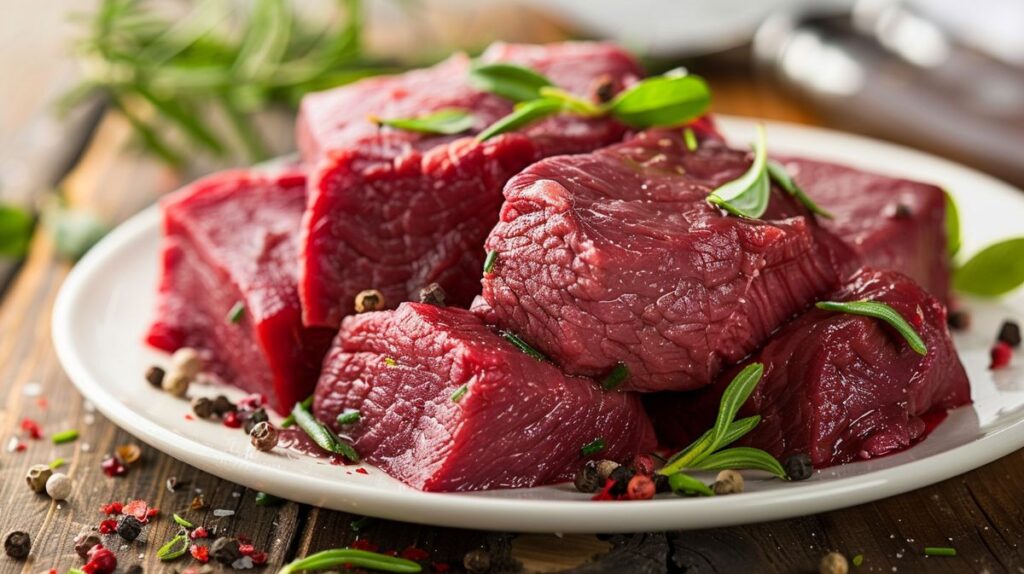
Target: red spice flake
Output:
[(199, 532), (22, 447), (246, 549), (139, 509), (112, 508), (606, 491), (152, 512), (189, 417), (108, 526), (101, 561), (31, 427), (363, 544), (362, 471), (441, 567), (1001, 355), (251, 402), (53, 571), (200, 553), (42, 403), (415, 554), (259, 558), (232, 420), (113, 467)]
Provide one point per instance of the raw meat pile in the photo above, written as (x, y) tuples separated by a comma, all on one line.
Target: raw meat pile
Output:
[(607, 258)]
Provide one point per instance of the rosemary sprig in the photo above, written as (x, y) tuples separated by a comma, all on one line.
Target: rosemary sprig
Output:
[(350, 557), (879, 311)]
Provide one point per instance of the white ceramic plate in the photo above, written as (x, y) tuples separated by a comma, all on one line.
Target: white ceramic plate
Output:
[(107, 301)]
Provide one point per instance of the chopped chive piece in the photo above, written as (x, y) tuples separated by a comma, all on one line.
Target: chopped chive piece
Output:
[(182, 522), (390, 362), (593, 447), (290, 419), (685, 485), (236, 312), (615, 377), (939, 551), (879, 311), (858, 560), (460, 392), (176, 548), (75, 571), (492, 258), (522, 346), (349, 418), (321, 435), (57, 463), (360, 523), (65, 436), (351, 557), (690, 138), (264, 499)]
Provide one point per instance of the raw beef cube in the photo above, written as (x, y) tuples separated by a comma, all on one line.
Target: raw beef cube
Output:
[(836, 386), (396, 210), (232, 238), (447, 404), (617, 256)]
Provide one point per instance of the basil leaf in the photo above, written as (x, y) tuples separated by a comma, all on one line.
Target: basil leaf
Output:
[(779, 174), (517, 83), (572, 102), (735, 395), (685, 457), (448, 121), (684, 484), (662, 101), (15, 231), (740, 458), (748, 195), (881, 311), (995, 270), (952, 225), (524, 114)]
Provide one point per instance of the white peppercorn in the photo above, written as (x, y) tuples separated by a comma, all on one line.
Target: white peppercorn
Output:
[(37, 477), (605, 468), (833, 563), (728, 482), (187, 361), (58, 486), (176, 383)]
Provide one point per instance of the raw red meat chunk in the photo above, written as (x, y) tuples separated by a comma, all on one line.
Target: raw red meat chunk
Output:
[(396, 210), (447, 404), (836, 386), (891, 223), (230, 239), (617, 256)]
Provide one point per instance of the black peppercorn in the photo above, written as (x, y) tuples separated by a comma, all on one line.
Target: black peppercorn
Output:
[(604, 91), (477, 561), (223, 406), (256, 417), (225, 550), (155, 376), (129, 527), (959, 320), (661, 483), (17, 544), (798, 467), (432, 294), (587, 478), (1009, 333), (202, 407), (621, 475)]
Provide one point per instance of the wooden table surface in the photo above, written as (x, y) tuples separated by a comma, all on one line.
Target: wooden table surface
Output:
[(981, 513)]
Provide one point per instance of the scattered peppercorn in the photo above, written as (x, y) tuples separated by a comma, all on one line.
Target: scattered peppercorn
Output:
[(798, 467), (129, 527), (643, 464), (256, 417), (728, 482), (202, 407), (833, 563), (176, 383), (1009, 333), (433, 294), (959, 320), (232, 420), (85, 541), (640, 487), (128, 453), (477, 561), (621, 475), (369, 300), (604, 90), (263, 437), (587, 479), (101, 561), (661, 483), (1001, 354), (186, 361), (112, 466), (155, 376), (37, 476), (225, 550), (17, 544), (198, 503), (58, 486), (222, 406), (605, 468)]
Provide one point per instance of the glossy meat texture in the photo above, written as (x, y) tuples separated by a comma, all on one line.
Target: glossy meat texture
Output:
[(838, 387), (396, 210), (518, 423), (891, 223), (617, 256), (230, 238)]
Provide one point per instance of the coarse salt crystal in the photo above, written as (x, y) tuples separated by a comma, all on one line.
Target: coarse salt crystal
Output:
[(222, 512), (12, 445), (243, 563), (32, 389)]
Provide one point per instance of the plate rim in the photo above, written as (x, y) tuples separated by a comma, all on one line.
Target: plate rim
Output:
[(465, 510)]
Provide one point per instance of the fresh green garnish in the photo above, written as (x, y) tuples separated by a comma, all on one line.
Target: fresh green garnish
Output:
[(522, 346), (524, 113), (571, 102), (182, 522), (449, 121), (306, 404), (737, 430), (460, 392), (939, 551), (264, 499), (879, 311), (748, 195), (690, 138), (56, 463), (952, 225), (176, 548), (516, 83), (236, 313), (618, 375), (858, 560), (993, 271), (593, 447), (685, 485), (350, 557), (490, 260), (741, 457), (390, 362), (321, 435), (15, 231), (65, 436), (661, 101), (780, 176), (349, 418)]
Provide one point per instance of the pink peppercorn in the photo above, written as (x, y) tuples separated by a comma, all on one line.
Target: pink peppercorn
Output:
[(643, 464), (113, 467), (101, 561), (108, 526), (200, 553), (640, 487), (1001, 355), (232, 420)]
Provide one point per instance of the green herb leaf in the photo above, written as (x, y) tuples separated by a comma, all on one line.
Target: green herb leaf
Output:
[(460, 392), (993, 271), (390, 362), (182, 522), (236, 313), (779, 174), (449, 121), (351, 557), (879, 311), (735, 395), (739, 458), (524, 114), (321, 435), (522, 346), (15, 231), (939, 551), (662, 101), (736, 431), (618, 375), (593, 447), (516, 83), (290, 419), (65, 436), (952, 225), (686, 485), (264, 499), (748, 195), (492, 258), (690, 138), (571, 102), (858, 560), (176, 548), (348, 418), (56, 463)]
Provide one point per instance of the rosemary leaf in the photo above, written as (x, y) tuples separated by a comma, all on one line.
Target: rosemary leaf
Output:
[(741, 458), (879, 311)]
